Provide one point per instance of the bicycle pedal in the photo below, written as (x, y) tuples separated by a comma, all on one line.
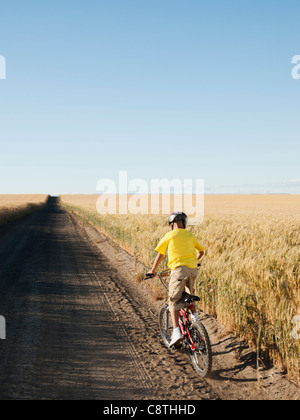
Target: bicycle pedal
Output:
[(177, 346)]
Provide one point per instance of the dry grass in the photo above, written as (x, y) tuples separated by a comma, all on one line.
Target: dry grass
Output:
[(250, 274), (14, 207)]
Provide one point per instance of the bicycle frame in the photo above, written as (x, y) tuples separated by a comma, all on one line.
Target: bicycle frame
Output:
[(185, 328)]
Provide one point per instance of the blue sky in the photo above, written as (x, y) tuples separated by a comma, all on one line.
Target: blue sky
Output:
[(160, 88)]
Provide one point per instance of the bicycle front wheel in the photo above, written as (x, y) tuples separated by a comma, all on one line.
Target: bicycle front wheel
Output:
[(202, 355), (165, 325)]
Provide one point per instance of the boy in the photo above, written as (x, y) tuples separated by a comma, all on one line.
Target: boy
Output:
[(182, 256)]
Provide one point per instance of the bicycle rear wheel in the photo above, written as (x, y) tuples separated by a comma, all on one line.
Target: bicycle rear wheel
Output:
[(165, 325), (202, 356)]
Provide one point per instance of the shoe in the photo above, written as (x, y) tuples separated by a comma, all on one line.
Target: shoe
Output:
[(194, 318), (176, 336)]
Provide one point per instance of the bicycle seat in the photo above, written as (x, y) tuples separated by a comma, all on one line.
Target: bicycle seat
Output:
[(190, 298)]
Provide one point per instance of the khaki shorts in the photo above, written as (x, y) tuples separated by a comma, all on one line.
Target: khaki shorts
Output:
[(182, 280)]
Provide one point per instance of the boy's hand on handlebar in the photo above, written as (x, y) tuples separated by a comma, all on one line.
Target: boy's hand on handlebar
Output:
[(150, 275)]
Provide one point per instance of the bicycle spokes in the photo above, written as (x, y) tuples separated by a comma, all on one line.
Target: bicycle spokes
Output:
[(165, 325), (202, 355)]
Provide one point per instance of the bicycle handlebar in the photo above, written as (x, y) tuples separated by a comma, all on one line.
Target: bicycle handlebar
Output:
[(149, 276)]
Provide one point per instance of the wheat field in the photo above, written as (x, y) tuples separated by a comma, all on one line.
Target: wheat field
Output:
[(250, 273), (15, 206)]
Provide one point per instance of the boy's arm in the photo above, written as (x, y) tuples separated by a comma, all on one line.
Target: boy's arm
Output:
[(161, 250), (199, 248), (156, 263), (200, 255)]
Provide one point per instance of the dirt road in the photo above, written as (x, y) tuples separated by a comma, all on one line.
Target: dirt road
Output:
[(70, 327), (78, 327)]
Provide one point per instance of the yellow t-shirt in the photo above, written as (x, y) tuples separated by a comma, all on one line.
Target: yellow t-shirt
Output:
[(181, 245)]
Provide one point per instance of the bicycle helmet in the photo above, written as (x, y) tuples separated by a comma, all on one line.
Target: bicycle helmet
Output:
[(178, 216)]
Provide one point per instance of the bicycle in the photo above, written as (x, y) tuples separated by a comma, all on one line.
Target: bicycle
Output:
[(195, 340)]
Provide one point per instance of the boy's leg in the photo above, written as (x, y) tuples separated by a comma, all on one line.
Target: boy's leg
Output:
[(174, 317), (176, 288), (191, 290)]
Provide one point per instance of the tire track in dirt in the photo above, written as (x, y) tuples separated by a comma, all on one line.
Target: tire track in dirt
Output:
[(73, 331), (62, 341)]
